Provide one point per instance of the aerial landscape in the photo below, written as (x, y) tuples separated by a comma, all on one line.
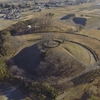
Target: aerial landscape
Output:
[(49, 49)]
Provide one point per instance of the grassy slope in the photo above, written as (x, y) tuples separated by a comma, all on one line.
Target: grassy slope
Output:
[(92, 43), (79, 52)]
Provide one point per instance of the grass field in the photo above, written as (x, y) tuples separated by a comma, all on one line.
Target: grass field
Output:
[(94, 32), (79, 52)]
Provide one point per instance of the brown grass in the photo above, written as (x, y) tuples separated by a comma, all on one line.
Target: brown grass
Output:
[(78, 52), (94, 32), (92, 43)]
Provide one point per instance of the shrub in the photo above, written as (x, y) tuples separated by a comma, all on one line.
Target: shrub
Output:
[(3, 70), (6, 32), (40, 91)]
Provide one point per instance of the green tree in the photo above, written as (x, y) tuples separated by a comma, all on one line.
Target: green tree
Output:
[(40, 91), (3, 70), (45, 92), (6, 32)]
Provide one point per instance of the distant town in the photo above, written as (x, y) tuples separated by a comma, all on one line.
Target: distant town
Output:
[(13, 8)]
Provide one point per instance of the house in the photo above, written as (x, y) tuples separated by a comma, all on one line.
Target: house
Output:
[(28, 26)]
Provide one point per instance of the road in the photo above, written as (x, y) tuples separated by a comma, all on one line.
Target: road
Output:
[(11, 93)]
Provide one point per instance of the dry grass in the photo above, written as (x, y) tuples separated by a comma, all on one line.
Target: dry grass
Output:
[(92, 43), (6, 23), (29, 37), (94, 32), (78, 52), (73, 93), (3, 97), (92, 20)]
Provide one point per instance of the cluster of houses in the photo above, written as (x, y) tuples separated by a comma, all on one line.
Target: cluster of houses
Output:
[(60, 3), (15, 13), (54, 4), (11, 14)]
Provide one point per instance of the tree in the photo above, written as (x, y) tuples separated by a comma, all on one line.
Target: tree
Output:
[(40, 91), (44, 92), (6, 32), (3, 70), (81, 27)]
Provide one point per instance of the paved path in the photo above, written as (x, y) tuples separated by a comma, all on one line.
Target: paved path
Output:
[(11, 93)]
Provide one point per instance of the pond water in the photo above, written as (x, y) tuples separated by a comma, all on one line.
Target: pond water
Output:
[(79, 20), (67, 16)]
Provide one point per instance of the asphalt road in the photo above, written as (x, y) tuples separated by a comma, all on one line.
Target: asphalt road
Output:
[(11, 93)]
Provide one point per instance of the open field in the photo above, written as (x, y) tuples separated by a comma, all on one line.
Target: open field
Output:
[(6, 23), (86, 41), (78, 51), (94, 32)]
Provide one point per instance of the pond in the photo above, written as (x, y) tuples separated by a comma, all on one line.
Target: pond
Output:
[(67, 16), (79, 20)]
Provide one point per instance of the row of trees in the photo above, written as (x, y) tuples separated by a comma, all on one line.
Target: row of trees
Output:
[(2, 49), (35, 90), (40, 91)]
